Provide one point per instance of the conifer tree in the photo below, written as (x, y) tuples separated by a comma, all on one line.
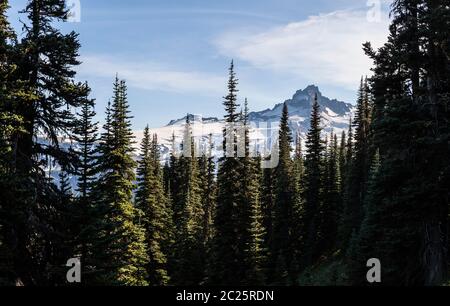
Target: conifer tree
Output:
[(10, 121), (120, 250), (168, 235), (189, 244), (299, 165), (358, 171), (342, 161), (85, 135), (10, 125), (250, 244), (151, 201), (345, 231), (410, 126), (208, 185), (64, 230), (224, 262), (174, 182), (45, 73), (349, 148), (298, 234), (331, 199), (362, 246), (282, 246), (314, 185), (267, 196)]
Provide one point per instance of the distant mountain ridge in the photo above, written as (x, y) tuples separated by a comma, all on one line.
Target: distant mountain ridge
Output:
[(335, 113), (302, 101)]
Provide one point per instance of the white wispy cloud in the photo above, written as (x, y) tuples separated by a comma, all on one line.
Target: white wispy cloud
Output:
[(152, 76), (322, 48)]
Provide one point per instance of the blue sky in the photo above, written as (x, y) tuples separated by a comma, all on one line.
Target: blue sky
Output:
[(174, 54)]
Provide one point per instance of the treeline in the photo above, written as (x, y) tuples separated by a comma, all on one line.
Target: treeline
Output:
[(380, 190)]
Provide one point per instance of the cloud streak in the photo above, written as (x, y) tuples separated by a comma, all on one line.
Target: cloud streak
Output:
[(322, 48), (152, 76)]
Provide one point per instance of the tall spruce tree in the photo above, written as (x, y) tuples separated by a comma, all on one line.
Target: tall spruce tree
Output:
[(359, 168), (45, 69), (168, 235), (314, 185), (342, 161), (281, 244), (299, 165), (85, 135), (298, 235), (345, 232), (228, 195), (120, 251), (189, 264), (151, 200), (208, 186), (251, 233), (332, 202)]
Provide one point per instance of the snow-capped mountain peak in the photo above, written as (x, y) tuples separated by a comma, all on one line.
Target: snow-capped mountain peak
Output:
[(335, 117)]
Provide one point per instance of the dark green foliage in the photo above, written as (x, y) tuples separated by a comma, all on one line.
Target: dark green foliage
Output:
[(155, 214), (209, 188), (282, 238), (297, 230), (250, 245), (10, 125), (189, 248), (314, 184), (85, 134), (356, 176), (267, 204), (410, 128), (120, 253), (362, 245), (224, 264), (43, 94), (299, 167), (342, 161), (332, 201), (63, 231)]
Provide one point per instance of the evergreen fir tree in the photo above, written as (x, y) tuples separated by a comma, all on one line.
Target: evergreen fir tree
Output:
[(299, 165), (342, 161), (189, 244), (362, 246), (299, 204), (208, 186), (45, 61), (314, 185), (267, 205), (282, 246), (225, 240), (331, 199), (85, 135), (251, 232), (120, 251), (359, 168), (63, 232), (151, 200), (344, 228), (410, 126)]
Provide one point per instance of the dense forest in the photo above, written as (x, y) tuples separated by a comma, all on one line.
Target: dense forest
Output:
[(380, 190)]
